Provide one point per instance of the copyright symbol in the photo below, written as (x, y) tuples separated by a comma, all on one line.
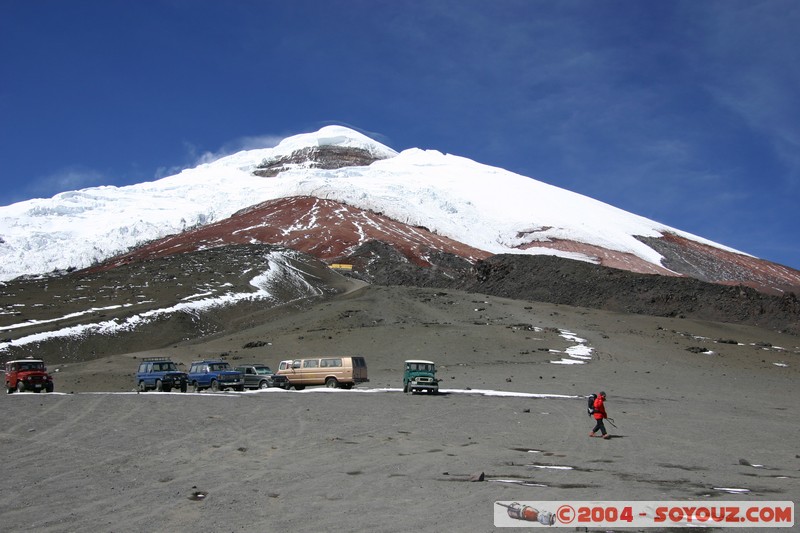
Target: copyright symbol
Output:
[(565, 514)]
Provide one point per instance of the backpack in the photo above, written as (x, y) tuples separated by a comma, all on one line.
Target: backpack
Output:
[(590, 404)]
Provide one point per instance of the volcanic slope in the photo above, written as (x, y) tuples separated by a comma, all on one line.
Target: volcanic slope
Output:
[(84, 315), (577, 283), (326, 229), (364, 190), (187, 297)]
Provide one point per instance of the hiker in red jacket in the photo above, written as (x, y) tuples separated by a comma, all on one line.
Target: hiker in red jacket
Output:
[(600, 415)]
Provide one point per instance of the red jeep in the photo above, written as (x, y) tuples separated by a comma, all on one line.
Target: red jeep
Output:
[(28, 375)]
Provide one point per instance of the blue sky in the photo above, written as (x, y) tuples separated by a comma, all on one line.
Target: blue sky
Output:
[(686, 112)]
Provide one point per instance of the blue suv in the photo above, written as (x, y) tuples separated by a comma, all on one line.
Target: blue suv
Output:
[(215, 375), (161, 374)]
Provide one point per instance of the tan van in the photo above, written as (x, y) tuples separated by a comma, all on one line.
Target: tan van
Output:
[(332, 372)]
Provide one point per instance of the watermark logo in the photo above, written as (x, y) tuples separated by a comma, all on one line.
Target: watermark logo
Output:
[(643, 514)]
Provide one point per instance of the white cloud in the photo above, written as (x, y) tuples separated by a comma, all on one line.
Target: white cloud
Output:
[(66, 179), (195, 156), (232, 147)]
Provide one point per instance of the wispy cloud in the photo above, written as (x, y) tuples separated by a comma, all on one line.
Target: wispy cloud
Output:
[(750, 61), (375, 135), (232, 147), (195, 156), (66, 179)]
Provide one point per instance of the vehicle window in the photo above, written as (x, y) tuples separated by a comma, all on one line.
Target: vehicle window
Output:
[(263, 370), (359, 361), (170, 366), (218, 366), (310, 363), (331, 363)]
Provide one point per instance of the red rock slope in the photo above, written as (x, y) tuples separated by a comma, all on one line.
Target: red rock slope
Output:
[(330, 230), (323, 228)]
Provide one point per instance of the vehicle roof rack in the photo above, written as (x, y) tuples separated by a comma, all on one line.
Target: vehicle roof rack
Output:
[(148, 359)]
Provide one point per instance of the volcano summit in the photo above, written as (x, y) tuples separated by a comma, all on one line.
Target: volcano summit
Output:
[(333, 190)]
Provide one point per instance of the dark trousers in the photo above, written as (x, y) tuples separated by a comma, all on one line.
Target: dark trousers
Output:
[(600, 426)]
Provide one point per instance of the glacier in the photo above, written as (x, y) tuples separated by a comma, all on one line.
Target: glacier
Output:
[(483, 206)]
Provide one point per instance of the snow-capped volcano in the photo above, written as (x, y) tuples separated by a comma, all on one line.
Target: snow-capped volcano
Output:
[(486, 210)]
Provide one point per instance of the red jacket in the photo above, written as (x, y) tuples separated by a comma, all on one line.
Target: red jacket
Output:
[(599, 408)]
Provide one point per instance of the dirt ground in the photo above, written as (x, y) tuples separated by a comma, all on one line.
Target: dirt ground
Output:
[(696, 405)]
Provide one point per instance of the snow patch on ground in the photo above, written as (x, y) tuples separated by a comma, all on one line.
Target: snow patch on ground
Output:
[(579, 354)]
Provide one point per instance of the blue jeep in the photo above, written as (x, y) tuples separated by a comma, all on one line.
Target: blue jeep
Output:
[(161, 374), (215, 375)]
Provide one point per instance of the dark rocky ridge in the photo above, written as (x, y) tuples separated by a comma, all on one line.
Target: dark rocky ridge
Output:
[(325, 157), (164, 282), (564, 281), (715, 265)]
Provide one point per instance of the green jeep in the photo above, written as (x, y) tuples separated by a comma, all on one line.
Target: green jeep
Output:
[(420, 376)]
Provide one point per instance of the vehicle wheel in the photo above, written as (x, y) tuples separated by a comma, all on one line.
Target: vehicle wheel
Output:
[(50, 387), (159, 386), (195, 387), (347, 386), (166, 389), (20, 386), (142, 387), (214, 385), (240, 388), (405, 388), (299, 387), (184, 386), (331, 383), (264, 384)]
